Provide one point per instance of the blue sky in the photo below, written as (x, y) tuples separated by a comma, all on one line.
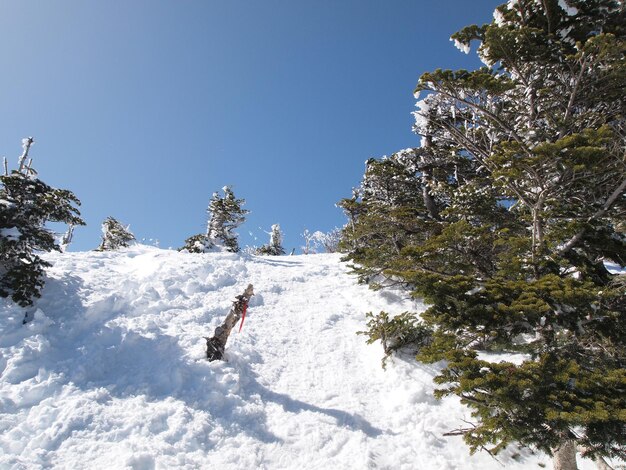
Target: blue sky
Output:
[(145, 108)]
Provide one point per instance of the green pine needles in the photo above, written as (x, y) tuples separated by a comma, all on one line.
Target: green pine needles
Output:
[(502, 221)]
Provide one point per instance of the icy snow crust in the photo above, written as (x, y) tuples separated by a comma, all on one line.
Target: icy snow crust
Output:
[(111, 373)]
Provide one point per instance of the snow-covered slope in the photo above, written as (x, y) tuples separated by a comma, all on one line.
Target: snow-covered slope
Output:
[(111, 372)]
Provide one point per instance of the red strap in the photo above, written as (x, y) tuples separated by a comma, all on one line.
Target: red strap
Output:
[(243, 316)]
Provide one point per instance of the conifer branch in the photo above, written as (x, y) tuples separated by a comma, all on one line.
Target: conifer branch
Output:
[(495, 118), (600, 213), (482, 160)]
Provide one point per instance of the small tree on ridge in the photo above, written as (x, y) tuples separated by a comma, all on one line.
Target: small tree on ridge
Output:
[(225, 215), (275, 246), (115, 235)]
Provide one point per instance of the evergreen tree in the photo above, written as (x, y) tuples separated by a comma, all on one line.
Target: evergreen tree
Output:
[(114, 235), (275, 246), (523, 183), (389, 213), (26, 205), (225, 215)]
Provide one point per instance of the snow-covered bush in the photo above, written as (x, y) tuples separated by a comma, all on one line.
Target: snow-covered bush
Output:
[(314, 241), (310, 242), (329, 240), (196, 244)]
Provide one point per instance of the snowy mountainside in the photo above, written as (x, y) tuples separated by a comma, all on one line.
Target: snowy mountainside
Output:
[(111, 372)]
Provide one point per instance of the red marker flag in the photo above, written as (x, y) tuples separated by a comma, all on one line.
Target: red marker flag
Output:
[(243, 316)]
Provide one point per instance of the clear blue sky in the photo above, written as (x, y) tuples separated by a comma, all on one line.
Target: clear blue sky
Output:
[(145, 108)]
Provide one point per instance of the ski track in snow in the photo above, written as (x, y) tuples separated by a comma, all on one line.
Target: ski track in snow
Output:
[(111, 373)]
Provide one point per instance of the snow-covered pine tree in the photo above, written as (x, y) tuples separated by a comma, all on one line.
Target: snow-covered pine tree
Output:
[(225, 215), (115, 235), (275, 246), (276, 240), (388, 214), (522, 178), (26, 205)]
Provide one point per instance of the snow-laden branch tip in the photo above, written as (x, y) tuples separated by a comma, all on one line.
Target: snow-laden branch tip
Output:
[(462, 46), (27, 142), (498, 17)]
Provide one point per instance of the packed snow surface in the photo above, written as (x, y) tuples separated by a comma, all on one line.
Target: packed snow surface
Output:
[(110, 374)]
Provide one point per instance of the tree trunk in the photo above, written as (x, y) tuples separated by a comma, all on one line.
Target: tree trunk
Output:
[(565, 456), (429, 202), (216, 345)]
